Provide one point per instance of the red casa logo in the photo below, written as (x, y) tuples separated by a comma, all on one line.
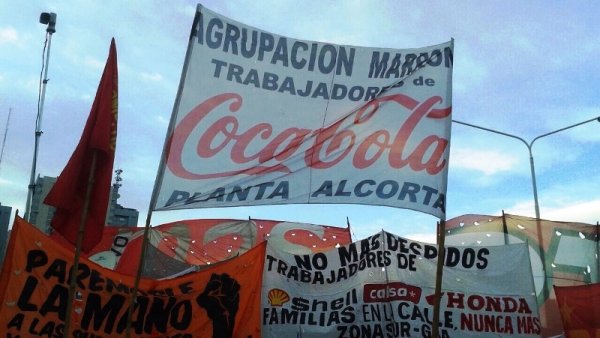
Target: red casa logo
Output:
[(379, 293)]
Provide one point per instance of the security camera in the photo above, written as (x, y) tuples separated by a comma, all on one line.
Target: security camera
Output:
[(50, 20)]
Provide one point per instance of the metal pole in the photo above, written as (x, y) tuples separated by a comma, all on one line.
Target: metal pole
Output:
[(529, 146), (504, 228), (538, 222), (50, 19), (5, 133), (597, 252)]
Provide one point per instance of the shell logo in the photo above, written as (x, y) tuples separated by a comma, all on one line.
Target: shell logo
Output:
[(278, 297)]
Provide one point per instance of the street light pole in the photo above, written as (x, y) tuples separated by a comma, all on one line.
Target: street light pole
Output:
[(529, 146), (50, 20)]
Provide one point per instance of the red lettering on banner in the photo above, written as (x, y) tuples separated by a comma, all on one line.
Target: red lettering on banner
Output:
[(486, 323), (504, 304), (335, 138)]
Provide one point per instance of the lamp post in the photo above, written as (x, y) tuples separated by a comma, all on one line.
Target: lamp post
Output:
[(50, 20), (529, 146)]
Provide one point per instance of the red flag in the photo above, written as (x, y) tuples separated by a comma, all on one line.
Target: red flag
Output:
[(99, 136), (580, 309)]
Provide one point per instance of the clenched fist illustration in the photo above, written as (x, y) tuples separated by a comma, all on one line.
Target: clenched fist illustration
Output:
[(221, 299)]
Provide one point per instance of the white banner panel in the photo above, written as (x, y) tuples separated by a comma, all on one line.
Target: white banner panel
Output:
[(383, 286), (264, 119)]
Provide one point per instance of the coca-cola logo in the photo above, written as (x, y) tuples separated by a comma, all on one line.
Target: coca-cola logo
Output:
[(323, 148)]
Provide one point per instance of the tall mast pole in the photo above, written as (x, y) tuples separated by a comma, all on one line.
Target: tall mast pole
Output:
[(5, 133), (50, 20)]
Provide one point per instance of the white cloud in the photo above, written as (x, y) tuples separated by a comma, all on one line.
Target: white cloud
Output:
[(487, 162), (32, 85), (522, 208), (574, 211), (162, 120), (8, 36), (186, 10), (587, 132), (422, 237), (151, 77), (7, 183), (478, 73), (13, 185), (586, 212), (522, 42), (94, 63)]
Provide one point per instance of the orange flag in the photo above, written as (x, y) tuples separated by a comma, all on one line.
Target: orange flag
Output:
[(98, 139), (222, 300), (580, 309)]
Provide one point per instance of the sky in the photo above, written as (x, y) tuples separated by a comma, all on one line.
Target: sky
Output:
[(522, 68)]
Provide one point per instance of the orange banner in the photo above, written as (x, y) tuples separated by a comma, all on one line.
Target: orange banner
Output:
[(177, 246), (220, 301)]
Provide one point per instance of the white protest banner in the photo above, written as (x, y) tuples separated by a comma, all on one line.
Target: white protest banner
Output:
[(383, 286), (263, 119)]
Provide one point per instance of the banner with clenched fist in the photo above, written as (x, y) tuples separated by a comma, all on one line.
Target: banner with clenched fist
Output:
[(220, 301)]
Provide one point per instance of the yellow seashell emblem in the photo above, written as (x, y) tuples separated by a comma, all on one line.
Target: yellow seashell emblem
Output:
[(278, 297)]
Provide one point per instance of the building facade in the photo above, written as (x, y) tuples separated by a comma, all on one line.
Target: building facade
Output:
[(118, 215), (5, 212), (41, 214)]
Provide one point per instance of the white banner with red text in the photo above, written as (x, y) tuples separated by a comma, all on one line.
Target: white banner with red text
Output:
[(383, 286), (263, 119)]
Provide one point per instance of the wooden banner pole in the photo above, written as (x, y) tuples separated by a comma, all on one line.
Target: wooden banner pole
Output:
[(441, 235), (80, 233)]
